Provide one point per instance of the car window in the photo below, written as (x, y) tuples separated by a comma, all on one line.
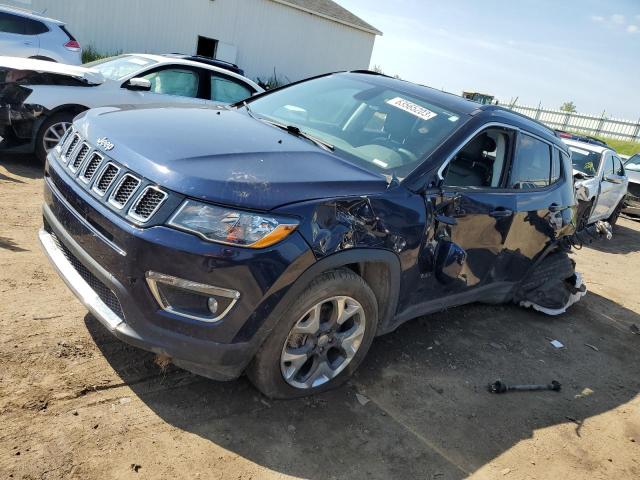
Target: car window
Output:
[(228, 91), (117, 68), (608, 166), (633, 163), (383, 129), (480, 162), (11, 23), (555, 165), (617, 166), (585, 161), (532, 165), (34, 27), (174, 81)]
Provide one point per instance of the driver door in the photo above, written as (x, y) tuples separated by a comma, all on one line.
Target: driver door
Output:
[(475, 214)]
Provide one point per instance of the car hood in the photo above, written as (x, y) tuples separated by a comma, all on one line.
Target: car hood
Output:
[(223, 155), (87, 75)]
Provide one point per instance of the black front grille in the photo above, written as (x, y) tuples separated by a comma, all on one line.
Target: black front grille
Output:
[(92, 167), (107, 177), (125, 190), (105, 293), (79, 158), (148, 203), (72, 145)]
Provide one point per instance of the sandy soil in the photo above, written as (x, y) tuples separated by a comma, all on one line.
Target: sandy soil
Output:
[(77, 403)]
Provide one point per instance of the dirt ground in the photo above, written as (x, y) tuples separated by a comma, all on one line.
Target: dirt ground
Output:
[(77, 403)]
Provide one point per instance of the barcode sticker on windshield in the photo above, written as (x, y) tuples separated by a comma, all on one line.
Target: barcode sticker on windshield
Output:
[(412, 108)]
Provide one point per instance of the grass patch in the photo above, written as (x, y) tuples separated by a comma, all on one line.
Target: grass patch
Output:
[(91, 54), (623, 147)]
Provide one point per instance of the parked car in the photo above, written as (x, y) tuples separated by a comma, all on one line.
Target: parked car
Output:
[(632, 200), (280, 236), (27, 34), (580, 138), (232, 67), (600, 181), (46, 96)]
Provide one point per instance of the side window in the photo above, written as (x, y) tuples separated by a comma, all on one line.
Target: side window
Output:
[(608, 166), (12, 24), (228, 91), (555, 165), (617, 166), (34, 27), (532, 165), (174, 81), (481, 162)]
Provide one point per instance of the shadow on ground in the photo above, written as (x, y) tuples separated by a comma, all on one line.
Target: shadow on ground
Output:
[(25, 166), (625, 240), (429, 415)]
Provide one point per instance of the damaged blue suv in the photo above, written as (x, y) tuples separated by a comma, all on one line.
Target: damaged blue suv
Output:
[(279, 236)]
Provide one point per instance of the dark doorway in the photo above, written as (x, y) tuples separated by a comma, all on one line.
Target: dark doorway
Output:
[(207, 47)]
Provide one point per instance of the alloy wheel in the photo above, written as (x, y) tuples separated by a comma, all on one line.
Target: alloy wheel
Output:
[(54, 134), (323, 342)]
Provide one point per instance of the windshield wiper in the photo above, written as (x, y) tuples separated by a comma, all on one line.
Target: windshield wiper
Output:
[(292, 129)]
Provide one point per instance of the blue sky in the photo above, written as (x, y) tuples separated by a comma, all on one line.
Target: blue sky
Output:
[(586, 51)]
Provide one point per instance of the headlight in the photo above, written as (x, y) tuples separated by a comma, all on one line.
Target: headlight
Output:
[(231, 227)]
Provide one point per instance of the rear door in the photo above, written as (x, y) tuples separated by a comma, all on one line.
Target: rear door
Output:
[(606, 200), (542, 185), (17, 36)]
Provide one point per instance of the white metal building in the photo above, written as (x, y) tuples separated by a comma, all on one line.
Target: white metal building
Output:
[(299, 38)]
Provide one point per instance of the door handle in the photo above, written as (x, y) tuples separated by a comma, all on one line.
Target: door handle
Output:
[(554, 207), (501, 213)]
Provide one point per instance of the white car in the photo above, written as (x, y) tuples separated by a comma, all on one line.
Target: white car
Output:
[(29, 35), (41, 98), (600, 181)]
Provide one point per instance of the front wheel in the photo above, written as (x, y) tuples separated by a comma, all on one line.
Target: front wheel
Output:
[(320, 341), (51, 132), (613, 219)]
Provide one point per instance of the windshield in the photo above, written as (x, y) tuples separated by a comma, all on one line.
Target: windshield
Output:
[(381, 129), (633, 163), (117, 68), (585, 161)]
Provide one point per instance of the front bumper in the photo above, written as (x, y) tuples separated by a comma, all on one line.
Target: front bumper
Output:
[(103, 260)]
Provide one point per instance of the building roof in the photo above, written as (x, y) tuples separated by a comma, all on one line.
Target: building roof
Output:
[(332, 11)]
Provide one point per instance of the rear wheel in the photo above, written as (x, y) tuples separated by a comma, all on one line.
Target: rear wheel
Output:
[(321, 340), (613, 219), (583, 214), (50, 133)]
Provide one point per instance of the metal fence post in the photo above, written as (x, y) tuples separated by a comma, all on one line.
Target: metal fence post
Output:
[(539, 110), (636, 131), (600, 123)]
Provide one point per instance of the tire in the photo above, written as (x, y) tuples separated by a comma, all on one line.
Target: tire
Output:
[(583, 214), (46, 134), (325, 365), (613, 219)]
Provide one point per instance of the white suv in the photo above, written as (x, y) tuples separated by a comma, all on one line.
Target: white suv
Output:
[(29, 35), (38, 100)]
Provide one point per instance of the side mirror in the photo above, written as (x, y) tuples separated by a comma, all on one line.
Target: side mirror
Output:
[(138, 85), (612, 178)]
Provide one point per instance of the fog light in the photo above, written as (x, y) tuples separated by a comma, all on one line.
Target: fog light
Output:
[(212, 303), (197, 301)]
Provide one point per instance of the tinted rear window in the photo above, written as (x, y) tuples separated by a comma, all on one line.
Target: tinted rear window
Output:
[(18, 25)]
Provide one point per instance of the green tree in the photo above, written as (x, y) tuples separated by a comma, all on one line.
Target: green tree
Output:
[(568, 107)]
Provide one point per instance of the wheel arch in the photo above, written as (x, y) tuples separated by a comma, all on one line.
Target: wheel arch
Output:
[(379, 268)]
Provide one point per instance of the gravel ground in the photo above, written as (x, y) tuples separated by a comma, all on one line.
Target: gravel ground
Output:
[(77, 403)]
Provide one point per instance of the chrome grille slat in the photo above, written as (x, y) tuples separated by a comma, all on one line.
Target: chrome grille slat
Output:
[(123, 192), (106, 178), (91, 167), (73, 143), (78, 157), (147, 204), (115, 186)]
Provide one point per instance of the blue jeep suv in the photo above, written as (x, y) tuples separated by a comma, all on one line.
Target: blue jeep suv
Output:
[(279, 236)]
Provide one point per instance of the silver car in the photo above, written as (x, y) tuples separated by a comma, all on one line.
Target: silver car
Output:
[(632, 200), (600, 181), (27, 34)]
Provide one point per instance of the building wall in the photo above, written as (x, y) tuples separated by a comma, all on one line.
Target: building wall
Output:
[(260, 35)]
